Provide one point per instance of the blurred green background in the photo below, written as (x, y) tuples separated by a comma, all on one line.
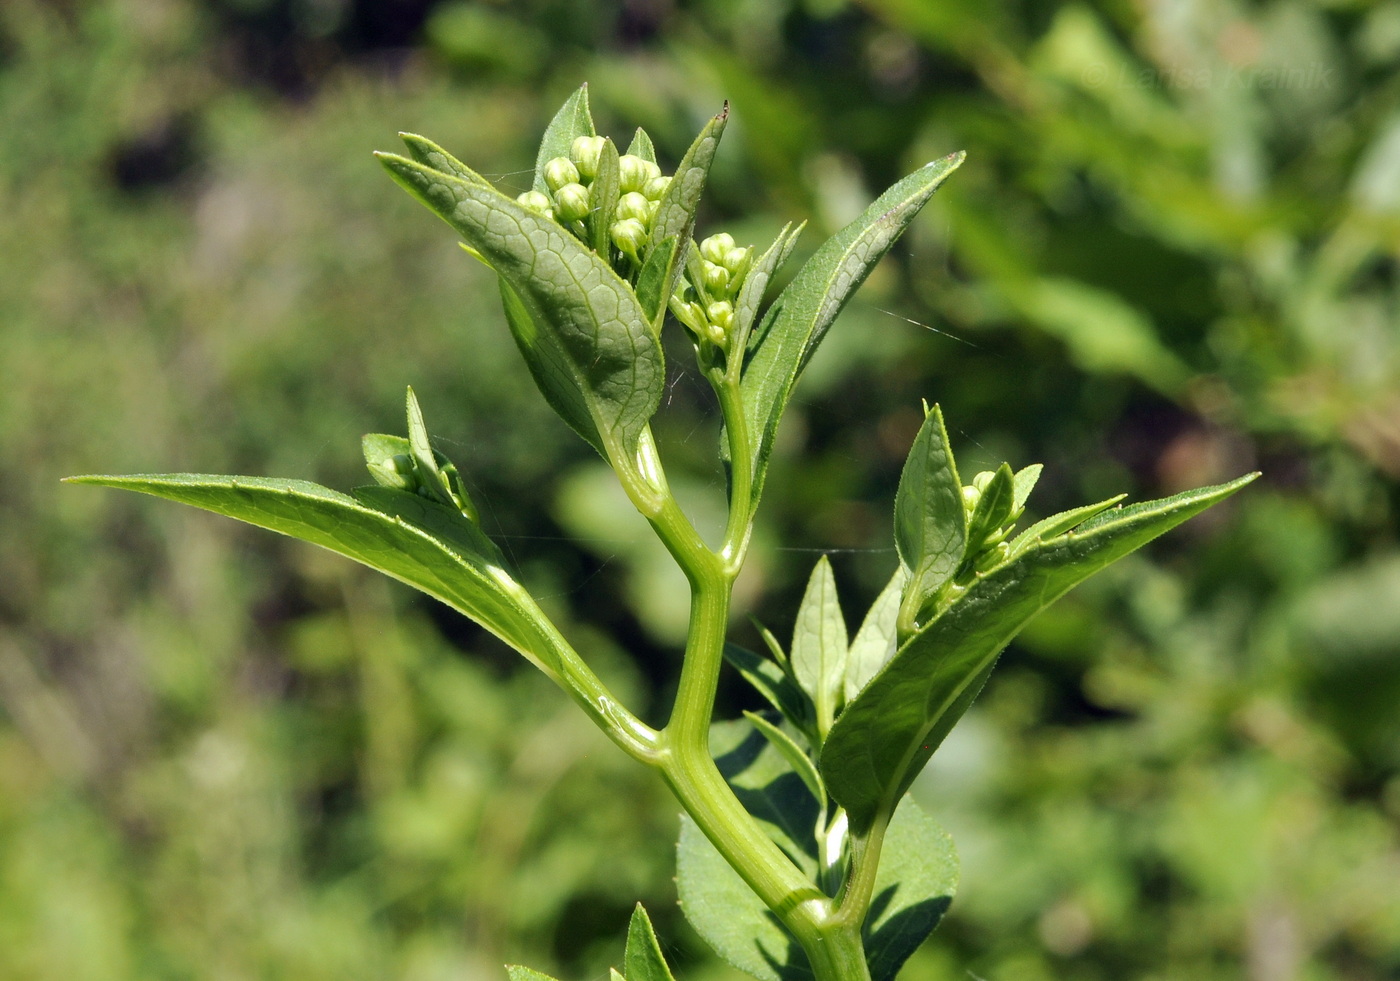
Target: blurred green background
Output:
[(1170, 258)]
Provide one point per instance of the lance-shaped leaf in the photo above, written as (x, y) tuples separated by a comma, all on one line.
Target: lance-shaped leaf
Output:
[(408, 537), (930, 522), (774, 684), (804, 311), (884, 738), (675, 213), (819, 645), (603, 194), (571, 121), (794, 755), (585, 337), (518, 972), (643, 960), (428, 153), (1057, 524), (756, 282), (1024, 482), (641, 146), (874, 642)]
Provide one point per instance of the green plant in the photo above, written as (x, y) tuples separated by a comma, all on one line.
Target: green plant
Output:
[(799, 853)]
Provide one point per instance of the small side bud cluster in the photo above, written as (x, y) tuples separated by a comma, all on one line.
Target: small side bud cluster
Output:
[(705, 303), (569, 199), (993, 549)]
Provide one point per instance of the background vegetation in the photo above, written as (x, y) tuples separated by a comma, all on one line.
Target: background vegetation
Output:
[(1170, 258)]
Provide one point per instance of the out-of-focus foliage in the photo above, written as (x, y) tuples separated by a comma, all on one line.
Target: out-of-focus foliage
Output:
[(1170, 257)]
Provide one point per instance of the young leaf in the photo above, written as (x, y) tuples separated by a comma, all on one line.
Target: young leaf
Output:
[(792, 753), (1025, 481), (428, 153), (930, 522), (773, 684), (993, 508), (819, 648), (652, 281), (389, 460), (1058, 524), (571, 121), (585, 337), (876, 639), (675, 213), (603, 194), (756, 283), (913, 887), (884, 738), (520, 973), (408, 537), (425, 460), (643, 960), (804, 311), (641, 146)]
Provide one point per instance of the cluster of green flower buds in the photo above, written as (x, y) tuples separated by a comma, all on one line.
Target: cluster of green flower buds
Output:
[(706, 301), (570, 196), (993, 549)]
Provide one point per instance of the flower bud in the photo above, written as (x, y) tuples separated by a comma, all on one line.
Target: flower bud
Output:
[(735, 260), (560, 171), (982, 480), (585, 153), (716, 335), (716, 247), (571, 202), (716, 278), (970, 495), (536, 201), (629, 235), (633, 205), (656, 187), (721, 314), (634, 172)]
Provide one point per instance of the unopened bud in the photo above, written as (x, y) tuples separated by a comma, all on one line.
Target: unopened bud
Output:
[(585, 153), (716, 247), (721, 314), (735, 260), (716, 278), (656, 187), (536, 201), (629, 235), (982, 480), (634, 172), (633, 205), (970, 495), (716, 335), (560, 171), (571, 202)]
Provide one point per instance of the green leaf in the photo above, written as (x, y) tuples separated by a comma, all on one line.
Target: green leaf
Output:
[(913, 887), (675, 214), (1025, 481), (428, 153), (652, 281), (792, 753), (430, 474), (751, 294), (993, 509), (519, 973), (819, 646), (773, 684), (408, 537), (571, 121), (603, 195), (884, 738), (804, 311), (930, 522), (578, 324), (1058, 524), (875, 641), (641, 146), (390, 460), (643, 960)]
